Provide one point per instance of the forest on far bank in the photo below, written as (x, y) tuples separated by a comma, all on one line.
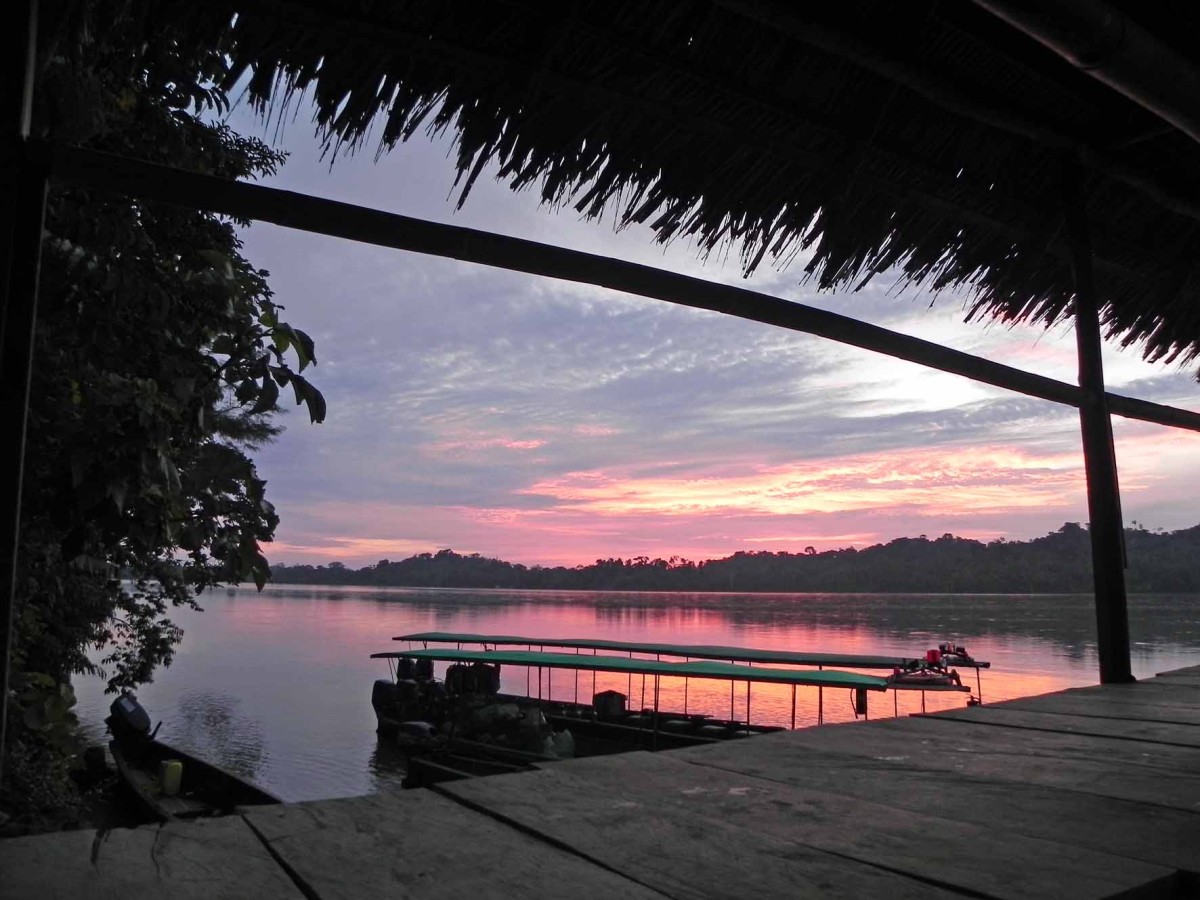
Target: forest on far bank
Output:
[(1059, 562)]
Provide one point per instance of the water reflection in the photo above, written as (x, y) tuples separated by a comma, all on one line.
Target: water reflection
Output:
[(209, 724), (277, 686)]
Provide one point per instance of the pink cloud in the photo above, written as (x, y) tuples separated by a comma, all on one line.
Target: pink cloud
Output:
[(706, 510), (955, 482), (596, 430), (464, 446)]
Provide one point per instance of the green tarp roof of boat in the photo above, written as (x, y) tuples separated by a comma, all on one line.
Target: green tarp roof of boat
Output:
[(699, 651), (623, 664)]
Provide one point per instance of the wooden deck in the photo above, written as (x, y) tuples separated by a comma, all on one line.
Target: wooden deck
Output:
[(1093, 792)]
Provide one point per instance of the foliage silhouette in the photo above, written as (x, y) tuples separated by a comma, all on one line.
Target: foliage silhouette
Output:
[(1059, 562)]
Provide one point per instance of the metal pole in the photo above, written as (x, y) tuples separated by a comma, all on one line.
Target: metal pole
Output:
[(20, 268), (793, 707), (820, 699), (732, 688), (1099, 457), (654, 739), (685, 694)]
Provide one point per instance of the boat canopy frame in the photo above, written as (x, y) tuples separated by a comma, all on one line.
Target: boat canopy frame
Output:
[(689, 651)]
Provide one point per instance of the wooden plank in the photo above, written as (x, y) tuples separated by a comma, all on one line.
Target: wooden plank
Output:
[(1126, 729), (1105, 707), (1185, 680), (1152, 833), (683, 853), (923, 846), (1107, 767), (418, 845), (1186, 670), (1153, 691), (208, 859), (946, 735)]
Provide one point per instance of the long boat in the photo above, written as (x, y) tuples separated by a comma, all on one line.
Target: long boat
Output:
[(917, 673), (699, 669), (687, 651), (462, 726), (167, 782)]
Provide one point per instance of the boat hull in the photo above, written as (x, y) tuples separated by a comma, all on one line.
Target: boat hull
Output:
[(205, 789)]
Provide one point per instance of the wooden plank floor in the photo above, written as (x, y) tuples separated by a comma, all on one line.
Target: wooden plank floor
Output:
[(210, 859), (1091, 792)]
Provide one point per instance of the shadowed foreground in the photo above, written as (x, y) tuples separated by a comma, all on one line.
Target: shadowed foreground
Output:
[(1092, 792)]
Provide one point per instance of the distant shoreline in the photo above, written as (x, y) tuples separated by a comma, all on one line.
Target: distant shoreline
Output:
[(1059, 563), (542, 590)]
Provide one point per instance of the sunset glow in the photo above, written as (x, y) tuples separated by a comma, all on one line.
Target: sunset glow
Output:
[(552, 423), (956, 483)]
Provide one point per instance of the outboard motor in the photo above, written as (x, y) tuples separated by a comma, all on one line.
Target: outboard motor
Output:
[(130, 723)]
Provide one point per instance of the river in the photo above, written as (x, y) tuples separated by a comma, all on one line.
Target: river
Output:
[(276, 686)]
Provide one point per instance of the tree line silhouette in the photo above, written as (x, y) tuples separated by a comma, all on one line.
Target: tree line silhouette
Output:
[(1059, 562)]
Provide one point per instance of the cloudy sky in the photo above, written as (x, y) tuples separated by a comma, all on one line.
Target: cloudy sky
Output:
[(552, 423)]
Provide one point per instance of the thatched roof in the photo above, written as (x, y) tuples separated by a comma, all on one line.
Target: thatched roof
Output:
[(922, 137)]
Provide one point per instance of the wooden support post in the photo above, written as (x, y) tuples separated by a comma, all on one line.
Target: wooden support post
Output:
[(1099, 457), (793, 707), (24, 187)]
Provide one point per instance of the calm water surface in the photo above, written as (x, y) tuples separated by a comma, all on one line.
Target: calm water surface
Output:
[(277, 685)]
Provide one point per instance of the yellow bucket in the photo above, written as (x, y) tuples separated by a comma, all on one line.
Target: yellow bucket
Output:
[(170, 776)]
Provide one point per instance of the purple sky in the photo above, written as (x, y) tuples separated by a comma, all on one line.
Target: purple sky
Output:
[(547, 422)]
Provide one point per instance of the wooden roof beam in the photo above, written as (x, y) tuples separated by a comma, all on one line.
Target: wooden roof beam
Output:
[(847, 46), (1104, 43), (885, 63), (102, 171)]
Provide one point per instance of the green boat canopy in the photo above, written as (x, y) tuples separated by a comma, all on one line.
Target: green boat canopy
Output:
[(698, 651), (705, 669)]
